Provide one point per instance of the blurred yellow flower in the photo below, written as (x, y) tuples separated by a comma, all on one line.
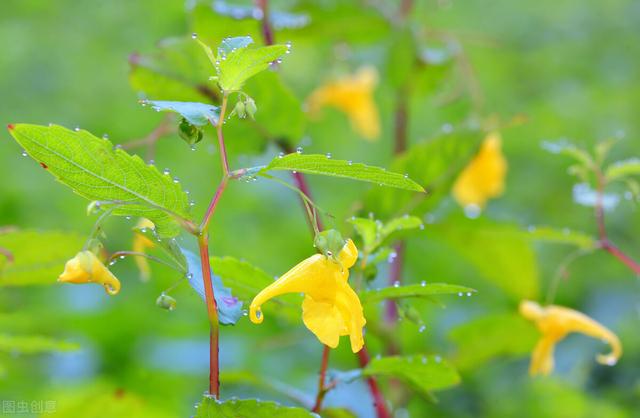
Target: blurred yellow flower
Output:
[(352, 95), (86, 268), (140, 244), (484, 177), (554, 323), (330, 308)]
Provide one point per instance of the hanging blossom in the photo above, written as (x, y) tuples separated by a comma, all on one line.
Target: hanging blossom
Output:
[(330, 308), (140, 244), (86, 268), (483, 178), (353, 95), (554, 323)]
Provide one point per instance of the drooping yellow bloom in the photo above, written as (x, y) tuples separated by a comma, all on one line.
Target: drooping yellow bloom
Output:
[(140, 244), (484, 177), (86, 268), (330, 308), (554, 323), (352, 95)]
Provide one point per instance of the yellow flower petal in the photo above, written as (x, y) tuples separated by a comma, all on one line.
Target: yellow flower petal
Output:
[(554, 323), (140, 245), (86, 268), (330, 308), (484, 177), (352, 95)]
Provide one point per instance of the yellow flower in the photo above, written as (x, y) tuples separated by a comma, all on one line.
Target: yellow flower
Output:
[(554, 323), (352, 95), (330, 308), (484, 177), (86, 268), (140, 244)]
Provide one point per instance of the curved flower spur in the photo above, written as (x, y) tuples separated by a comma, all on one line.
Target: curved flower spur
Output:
[(330, 308), (86, 268)]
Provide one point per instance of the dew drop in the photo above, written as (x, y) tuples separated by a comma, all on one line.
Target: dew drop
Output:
[(193, 147), (128, 218), (438, 359), (166, 171), (349, 162), (468, 294), (422, 328), (194, 35), (151, 162), (24, 153), (176, 180), (328, 155), (424, 360), (460, 294), (294, 172), (422, 227), (423, 283), (280, 155), (189, 276), (299, 150), (406, 176), (105, 136), (192, 203), (77, 129), (396, 284), (121, 257)]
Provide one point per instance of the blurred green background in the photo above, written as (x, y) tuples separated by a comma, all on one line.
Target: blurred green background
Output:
[(572, 68)]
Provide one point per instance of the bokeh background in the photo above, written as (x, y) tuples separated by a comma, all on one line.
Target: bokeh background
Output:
[(568, 69)]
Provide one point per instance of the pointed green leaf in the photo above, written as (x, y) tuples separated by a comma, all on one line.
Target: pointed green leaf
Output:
[(622, 169), (228, 45), (248, 408), (424, 373), (241, 64), (320, 164), (98, 172), (198, 114), (38, 257), (415, 291)]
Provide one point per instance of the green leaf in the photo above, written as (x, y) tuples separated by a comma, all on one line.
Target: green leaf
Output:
[(177, 70), (229, 307), (197, 114), (98, 172), (265, 383), (490, 336), (434, 165), (228, 45), (423, 373), (238, 63), (621, 169), (320, 164), (337, 413), (248, 408), (564, 236), (374, 233), (566, 148), (39, 257), (509, 262), (33, 344), (415, 291)]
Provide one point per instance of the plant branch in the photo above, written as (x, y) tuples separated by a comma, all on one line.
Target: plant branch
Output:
[(378, 400), (322, 389), (604, 242), (267, 30), (163, 129)]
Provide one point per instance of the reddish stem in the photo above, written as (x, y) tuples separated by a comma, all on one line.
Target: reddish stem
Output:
[(322, 390), (267, 30), (212, 311), (204, 226), (401, 118), (605, 243), (378, 401)]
